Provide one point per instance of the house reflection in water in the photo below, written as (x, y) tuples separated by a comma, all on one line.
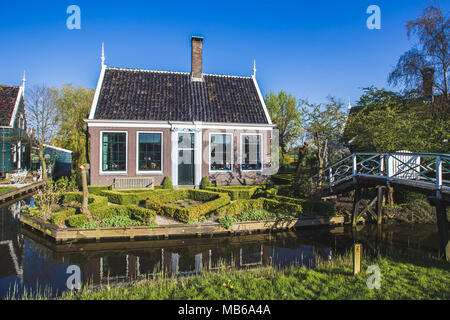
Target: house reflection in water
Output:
[(125, 268)]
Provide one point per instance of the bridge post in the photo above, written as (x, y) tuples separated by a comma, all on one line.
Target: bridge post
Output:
[(356, 201), (379, 204), (442, 222)]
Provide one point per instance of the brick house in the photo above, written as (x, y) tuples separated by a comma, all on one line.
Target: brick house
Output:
[(185, 125)]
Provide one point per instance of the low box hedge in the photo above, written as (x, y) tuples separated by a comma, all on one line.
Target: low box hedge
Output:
[(126, 197), (59, 218), (77, 220), (98, 189), (212, 201), (235, 193), (274, 206)]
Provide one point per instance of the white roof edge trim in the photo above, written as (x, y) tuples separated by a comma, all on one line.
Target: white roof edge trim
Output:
[(106, 123), (262, 100), (16, 106), (97, 92), (57, 148)]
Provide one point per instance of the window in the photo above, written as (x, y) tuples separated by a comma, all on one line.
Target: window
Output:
[(251, 152), (150, 149), (221, 152), (114, 151)]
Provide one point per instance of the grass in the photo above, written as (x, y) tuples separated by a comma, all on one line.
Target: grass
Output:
[(6, 189), (401, 279)]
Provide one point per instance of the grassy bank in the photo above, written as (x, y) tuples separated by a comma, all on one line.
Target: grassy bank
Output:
[(400, 279)]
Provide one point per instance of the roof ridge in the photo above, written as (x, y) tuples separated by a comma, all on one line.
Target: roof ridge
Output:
[(7, 85), (177, 72)]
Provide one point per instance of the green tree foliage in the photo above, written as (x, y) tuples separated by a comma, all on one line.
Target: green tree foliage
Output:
[(285, 114), (73, 106), (388, 121), (323, 123)]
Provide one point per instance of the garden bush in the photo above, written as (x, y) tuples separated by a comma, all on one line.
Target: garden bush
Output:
[(205, 183), (161, 203), (236, 193), (126, 197), (274, 206), (77, 220), (59, 218), (98, 189), (167, 183)]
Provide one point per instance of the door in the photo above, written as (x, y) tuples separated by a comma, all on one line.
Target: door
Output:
[(185, 158)]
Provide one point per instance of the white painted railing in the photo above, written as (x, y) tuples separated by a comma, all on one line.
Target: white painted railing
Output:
[(418, 168)]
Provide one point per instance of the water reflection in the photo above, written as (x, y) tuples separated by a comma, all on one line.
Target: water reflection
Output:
[(28, 259)]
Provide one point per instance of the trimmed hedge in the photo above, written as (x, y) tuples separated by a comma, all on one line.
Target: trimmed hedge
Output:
[(236, 193), (274, 206), (59, 218), (205, 183), (213, 201), (96, 204), (77, 220), (98, 189), (126, 197), (167, 183)]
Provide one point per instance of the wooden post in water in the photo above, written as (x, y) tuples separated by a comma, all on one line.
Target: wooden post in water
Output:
[(356, 202), (379, 205), (442, 223), (357, 248)]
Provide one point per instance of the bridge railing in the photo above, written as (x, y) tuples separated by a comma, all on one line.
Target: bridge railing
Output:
[(421, 168)]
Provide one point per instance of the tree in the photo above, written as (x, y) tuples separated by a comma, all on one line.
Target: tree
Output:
[(324, 123), (389, 121), (73, 106), (432, 53), (41, 113), (284, 113)]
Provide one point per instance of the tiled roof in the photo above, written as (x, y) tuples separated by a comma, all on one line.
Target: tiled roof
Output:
[(8, 96), (128, 94)]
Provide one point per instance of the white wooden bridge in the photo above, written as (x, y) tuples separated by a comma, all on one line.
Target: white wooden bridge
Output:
[(425, 173)]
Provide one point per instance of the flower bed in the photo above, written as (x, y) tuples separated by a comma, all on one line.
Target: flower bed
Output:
[(212, 201)]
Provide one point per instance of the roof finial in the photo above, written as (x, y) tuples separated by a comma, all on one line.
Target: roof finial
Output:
[(23, 79), (254, 68), (103, 54)]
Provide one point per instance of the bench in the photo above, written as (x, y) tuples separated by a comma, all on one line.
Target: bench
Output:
[(133, 183)]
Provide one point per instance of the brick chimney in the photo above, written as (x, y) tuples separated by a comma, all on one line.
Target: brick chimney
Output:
[(428, 83), (196, 59)]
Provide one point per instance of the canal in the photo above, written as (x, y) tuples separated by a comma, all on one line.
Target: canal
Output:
[(30, 261)]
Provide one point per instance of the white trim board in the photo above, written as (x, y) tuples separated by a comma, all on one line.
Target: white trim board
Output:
[(97, 92), (16, 106), (262, 100), (57, 148)]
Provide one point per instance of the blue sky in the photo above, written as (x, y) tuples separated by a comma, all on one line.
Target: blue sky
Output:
[(311, 49)]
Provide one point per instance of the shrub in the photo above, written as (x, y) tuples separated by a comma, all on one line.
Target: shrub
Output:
[(77, 220), (120, 221), (98, 189), (205, 183), (167, 183), (236, 193), (274, 206), (126, 197), (213, 201), (59, 218)]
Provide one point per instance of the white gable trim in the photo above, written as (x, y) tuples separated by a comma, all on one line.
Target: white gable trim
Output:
[(97, 92), (16, 106), (176, 124), (262, 100), (57, 148)]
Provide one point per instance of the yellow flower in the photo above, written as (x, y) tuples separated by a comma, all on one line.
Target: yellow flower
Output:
[(223, 284), (231, 287)]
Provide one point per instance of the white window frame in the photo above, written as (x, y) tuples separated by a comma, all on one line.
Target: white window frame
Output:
[(113, 173), (143, 172), (261, 151), (232, 152)]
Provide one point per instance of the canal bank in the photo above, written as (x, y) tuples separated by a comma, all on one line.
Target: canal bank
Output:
[(41, 263)]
